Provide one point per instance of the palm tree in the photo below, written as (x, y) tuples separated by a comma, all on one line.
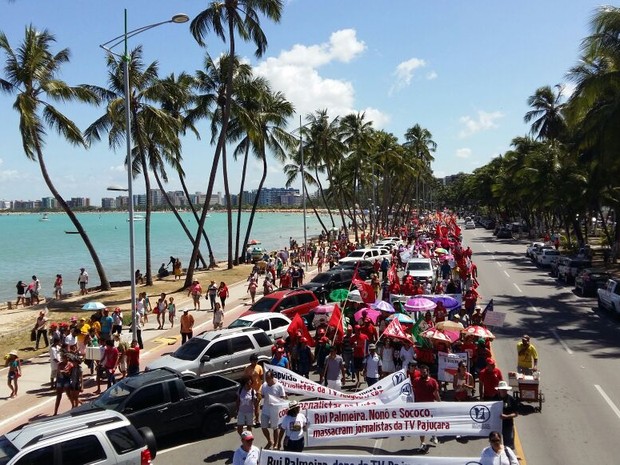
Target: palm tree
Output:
[(149, 123), (421, 145), (224, 19), (31, 72), (546, 114)]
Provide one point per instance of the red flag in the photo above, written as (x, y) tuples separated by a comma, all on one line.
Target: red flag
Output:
[(336, 321), (395, 330), (457, 231), (298, 325), (366, 291), (392, 274)]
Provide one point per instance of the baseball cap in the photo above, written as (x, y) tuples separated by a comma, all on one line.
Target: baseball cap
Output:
[(247, 436), (372, 347), (503, 385), (525, 337)]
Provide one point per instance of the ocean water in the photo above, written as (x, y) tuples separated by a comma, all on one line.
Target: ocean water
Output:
[(42, 248)]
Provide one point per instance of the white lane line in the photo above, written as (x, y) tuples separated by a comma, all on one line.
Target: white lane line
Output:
[(499, 264), (24, 412), (561, 341), (506, 273), (608, 400), (518, 288), (492, 257), (534, 309)]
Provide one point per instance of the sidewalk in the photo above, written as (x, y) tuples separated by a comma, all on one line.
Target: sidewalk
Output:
[(36, 399)]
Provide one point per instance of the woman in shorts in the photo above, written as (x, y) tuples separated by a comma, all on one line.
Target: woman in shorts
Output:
[(247, 406), (63, 382), (15, 371)]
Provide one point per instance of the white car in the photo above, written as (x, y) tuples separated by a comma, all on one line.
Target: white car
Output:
[(530, 250), (274, 324), (366, 254), (470, 224), (421, 269)]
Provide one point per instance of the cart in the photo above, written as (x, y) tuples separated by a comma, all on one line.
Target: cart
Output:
[(527, 388)]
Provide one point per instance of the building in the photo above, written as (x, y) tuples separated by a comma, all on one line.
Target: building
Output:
[(108, 203), (48, 203)]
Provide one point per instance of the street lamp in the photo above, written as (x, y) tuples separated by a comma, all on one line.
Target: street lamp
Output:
[(303, 190), (108, 46)]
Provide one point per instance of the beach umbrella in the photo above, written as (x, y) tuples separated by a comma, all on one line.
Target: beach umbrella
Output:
[(478, 331), (254, 242), (339, 295), (419, 304), (450, 303), (383, 306), (435, 335), (402, 318), (93, 306), (450, 325), (355, 296), (370, 313), (323, 309)]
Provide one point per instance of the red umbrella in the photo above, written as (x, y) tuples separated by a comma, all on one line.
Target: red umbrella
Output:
[(478, 331)]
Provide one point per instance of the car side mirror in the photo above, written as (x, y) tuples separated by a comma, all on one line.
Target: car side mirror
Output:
[(205, 358)]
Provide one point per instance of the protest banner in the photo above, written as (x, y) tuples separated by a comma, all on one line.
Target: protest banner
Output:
[(274, 457), (494, 319), (387, 389), (447, 365), (403, 418)]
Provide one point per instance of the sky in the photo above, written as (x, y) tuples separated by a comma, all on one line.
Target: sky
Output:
[(461, 69)]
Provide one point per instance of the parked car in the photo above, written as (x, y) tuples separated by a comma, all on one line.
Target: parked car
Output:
[(538, 251), (99, 437), (469, 224), (546, 257), (224, 352), (609, 296), (504, 233), (274, 324), (366, 254), (531, 248), (286, 301), (569, 267), (421, 269), (168, 404), (364, 268), (553, 266), (324, 283), (590, 280)]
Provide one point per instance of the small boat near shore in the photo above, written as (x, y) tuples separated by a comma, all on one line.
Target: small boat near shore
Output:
[(44, 217)]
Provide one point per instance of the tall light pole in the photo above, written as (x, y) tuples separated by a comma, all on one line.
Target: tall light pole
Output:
[(303, 190), (108, 46)]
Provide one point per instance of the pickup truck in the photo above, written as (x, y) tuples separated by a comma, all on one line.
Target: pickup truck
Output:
[(609, 296), (165, 402), (366, 254)]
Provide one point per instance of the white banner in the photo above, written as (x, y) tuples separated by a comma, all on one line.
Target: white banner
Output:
[(274, 457), (494, 318), (403, 419), (386, 389), (448, 364)]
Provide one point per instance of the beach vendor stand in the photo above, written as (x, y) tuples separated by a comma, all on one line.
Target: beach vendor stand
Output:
[(527, 388)]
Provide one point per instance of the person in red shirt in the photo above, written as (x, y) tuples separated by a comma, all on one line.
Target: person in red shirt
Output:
[(425, 389), (133, 359), (360, 342), (488, 379), (285, 280), (369, 329), (412, 371), (440, 312), (470, 300)]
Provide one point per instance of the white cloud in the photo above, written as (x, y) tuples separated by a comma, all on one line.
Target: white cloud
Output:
[(295, 73), (404, 73), (463, 153), (431, 75), (483, 122), (118, 169), (8, 175)]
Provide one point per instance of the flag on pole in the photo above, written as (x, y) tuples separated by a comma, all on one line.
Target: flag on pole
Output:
[(488, 308), (298, 325), (396, 331), (336, 321), (366, 290)]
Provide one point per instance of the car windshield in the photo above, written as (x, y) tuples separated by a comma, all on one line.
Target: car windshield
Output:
[(321, 278), (240, 323), (356, 253), (417, 266), (114, 396), (191, 349), (264, 305), (7, 450)]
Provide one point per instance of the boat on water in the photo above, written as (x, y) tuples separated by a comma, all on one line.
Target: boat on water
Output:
[(137, 218), (44, 217)]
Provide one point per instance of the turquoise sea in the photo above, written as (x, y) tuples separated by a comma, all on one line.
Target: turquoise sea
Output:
[(31, 246)]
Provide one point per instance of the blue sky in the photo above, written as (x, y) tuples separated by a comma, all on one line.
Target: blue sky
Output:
[(461, 69)]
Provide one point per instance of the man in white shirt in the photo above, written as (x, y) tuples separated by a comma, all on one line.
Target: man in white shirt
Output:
[(271, 388), (372, 366), (247, 453)]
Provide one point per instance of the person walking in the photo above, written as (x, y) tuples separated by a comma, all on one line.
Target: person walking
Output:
[(247, 405), (35, 291), (271, 390), (218, 317), (252, 289), (133, 358), (212, 293), (187, 326), (172, 311), (222, 292), (15, 371), (63, 381), (425, 389), (117, 321), (196, 292), (293, 427), (372, 366), (509, 413), (162, 307), (247, 453), (40, 328), (21, 293), (497, 453), (334, 372), (58, 287), (527, 356), (463, 383), (488, 380), (83, 281)]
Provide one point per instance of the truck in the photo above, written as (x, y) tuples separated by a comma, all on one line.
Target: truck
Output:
[(165, 402), (609, 296)]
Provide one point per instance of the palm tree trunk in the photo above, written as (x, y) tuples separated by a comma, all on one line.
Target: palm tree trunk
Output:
[(329, 211), (248, 231), (313, 206), (105, 284), (147, 222), (228, 209), (241, 186), (212, 262)]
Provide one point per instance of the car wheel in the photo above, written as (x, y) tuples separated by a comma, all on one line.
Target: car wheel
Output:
[(149, 440), (215, 423)]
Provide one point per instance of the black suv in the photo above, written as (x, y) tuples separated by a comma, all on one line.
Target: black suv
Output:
[(364, 268), (324, 283)]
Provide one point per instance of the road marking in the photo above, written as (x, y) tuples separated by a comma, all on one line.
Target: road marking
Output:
[(518, 288), (499, 263), (532, 308), (561, 341), (608, 400), (506, 273), (160, 452), (519, 449), (493, 257), (23, 412)]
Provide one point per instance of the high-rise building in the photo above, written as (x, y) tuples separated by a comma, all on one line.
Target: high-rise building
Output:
[(108, 203)]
